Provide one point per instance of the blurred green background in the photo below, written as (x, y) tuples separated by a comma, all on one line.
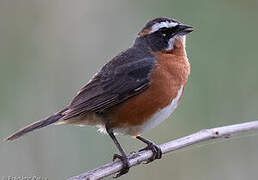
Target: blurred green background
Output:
[(49, 49)]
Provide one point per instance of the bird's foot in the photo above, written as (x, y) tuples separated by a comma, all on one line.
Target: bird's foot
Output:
[(156, 151), (125, 167)]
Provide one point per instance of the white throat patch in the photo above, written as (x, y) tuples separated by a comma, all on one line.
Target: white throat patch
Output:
[(171, 41), (166, 24)]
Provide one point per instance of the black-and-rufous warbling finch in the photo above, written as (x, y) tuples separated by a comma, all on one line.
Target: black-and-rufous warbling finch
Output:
[(135, 91)]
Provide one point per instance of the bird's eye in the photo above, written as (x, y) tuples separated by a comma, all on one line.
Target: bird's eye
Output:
[(164, 31)]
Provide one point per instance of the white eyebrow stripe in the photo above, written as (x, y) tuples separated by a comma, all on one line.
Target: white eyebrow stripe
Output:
[(166, 24)]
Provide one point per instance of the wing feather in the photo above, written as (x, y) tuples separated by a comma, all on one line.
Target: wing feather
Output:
[(115, 83)]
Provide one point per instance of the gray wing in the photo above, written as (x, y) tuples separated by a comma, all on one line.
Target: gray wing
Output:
[(116, 82)]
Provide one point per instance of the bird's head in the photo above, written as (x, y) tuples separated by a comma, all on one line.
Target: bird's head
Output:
[(164, 34)]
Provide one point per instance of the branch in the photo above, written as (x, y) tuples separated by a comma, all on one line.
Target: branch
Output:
[(137, 158)]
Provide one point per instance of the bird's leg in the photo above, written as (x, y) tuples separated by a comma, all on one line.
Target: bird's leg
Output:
[(122, 157), (157, 153)]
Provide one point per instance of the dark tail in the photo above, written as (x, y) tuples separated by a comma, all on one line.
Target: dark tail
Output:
[(37, 125)]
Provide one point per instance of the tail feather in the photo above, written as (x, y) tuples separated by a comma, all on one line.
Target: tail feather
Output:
[(37, 125)]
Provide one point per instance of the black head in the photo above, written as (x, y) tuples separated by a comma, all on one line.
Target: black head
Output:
[(161, 33)]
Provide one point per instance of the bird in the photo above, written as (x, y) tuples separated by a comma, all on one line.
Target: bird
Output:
[(133, 92)]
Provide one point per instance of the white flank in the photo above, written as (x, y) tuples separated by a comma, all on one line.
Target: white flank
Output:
[(164, 113), (166, 24), (155, 120)]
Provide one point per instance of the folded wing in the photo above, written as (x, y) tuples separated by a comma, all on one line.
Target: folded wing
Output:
[(115, 83)]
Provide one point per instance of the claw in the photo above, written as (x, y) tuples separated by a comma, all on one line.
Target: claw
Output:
[(156, 151), (125, 167)]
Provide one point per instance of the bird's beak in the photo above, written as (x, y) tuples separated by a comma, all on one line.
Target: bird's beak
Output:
[(184, 29)]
